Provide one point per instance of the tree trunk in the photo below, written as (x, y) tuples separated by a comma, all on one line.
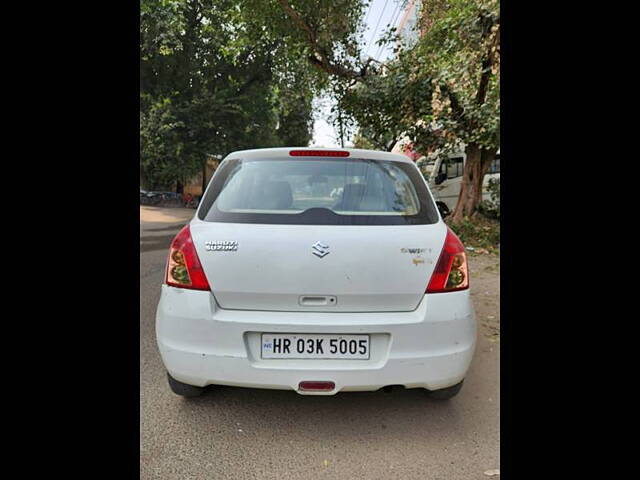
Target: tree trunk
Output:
[(476, 165), (179, 187)]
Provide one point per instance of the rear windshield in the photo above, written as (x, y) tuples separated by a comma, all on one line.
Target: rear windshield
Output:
[(316, 191)]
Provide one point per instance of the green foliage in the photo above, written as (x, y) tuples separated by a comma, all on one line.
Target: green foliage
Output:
[(162, 159), (491, 207), (212, 82), (361, 140), (377, 103), (323, 34), (295, 121), (219, 75), (478, 233), (319, 40), (442, 91)]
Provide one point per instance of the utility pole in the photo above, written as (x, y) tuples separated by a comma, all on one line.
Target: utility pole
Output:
[(341, 128)]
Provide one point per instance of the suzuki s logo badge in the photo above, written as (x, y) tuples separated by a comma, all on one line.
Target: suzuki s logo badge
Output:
[(224, 246), (319, 249)]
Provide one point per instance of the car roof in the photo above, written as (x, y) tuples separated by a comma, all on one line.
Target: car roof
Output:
[(269, 153)]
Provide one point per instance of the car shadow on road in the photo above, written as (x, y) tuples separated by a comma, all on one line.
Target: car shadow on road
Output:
[(402, 413)]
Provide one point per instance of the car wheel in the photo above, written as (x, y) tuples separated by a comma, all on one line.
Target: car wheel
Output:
[(184, 389), (445, 393)]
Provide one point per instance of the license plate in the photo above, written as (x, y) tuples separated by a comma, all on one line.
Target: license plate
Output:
[(289, 345)]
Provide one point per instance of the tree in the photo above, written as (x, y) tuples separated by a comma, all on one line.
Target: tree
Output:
[(161, 160), (209, 85), (440, 92), (461, 49)]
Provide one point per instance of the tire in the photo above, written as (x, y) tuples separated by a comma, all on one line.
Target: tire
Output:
[(183, 389), (445, 393)]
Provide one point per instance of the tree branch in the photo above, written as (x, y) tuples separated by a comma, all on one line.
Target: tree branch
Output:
[(456, 108), (488, 58), (320, 57)]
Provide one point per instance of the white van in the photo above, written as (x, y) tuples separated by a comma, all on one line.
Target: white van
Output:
[(444, 176)]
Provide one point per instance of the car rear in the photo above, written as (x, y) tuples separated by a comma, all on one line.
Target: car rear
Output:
[(318, 271)]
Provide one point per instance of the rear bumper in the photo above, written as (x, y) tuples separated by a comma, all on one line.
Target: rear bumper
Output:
[(201, 344)]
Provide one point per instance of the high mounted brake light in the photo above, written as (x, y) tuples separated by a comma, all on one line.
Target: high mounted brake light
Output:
[(318, 153), (451, 272), (184, 269)]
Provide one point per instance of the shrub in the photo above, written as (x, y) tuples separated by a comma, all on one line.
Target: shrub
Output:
[(479, 233), (491, 207)]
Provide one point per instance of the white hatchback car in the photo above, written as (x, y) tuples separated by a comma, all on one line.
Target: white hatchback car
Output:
[(276, 283)]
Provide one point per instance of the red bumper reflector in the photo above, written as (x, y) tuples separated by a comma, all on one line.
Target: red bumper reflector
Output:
[(316, 386), (318, 153)]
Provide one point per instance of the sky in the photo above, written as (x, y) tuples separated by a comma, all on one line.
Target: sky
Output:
[(380, 14)]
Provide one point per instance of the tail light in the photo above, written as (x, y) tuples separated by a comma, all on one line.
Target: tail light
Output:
[(451, 272), (183, 266)]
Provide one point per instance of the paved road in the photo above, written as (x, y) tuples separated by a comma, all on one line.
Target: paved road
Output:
[(239, 433)]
